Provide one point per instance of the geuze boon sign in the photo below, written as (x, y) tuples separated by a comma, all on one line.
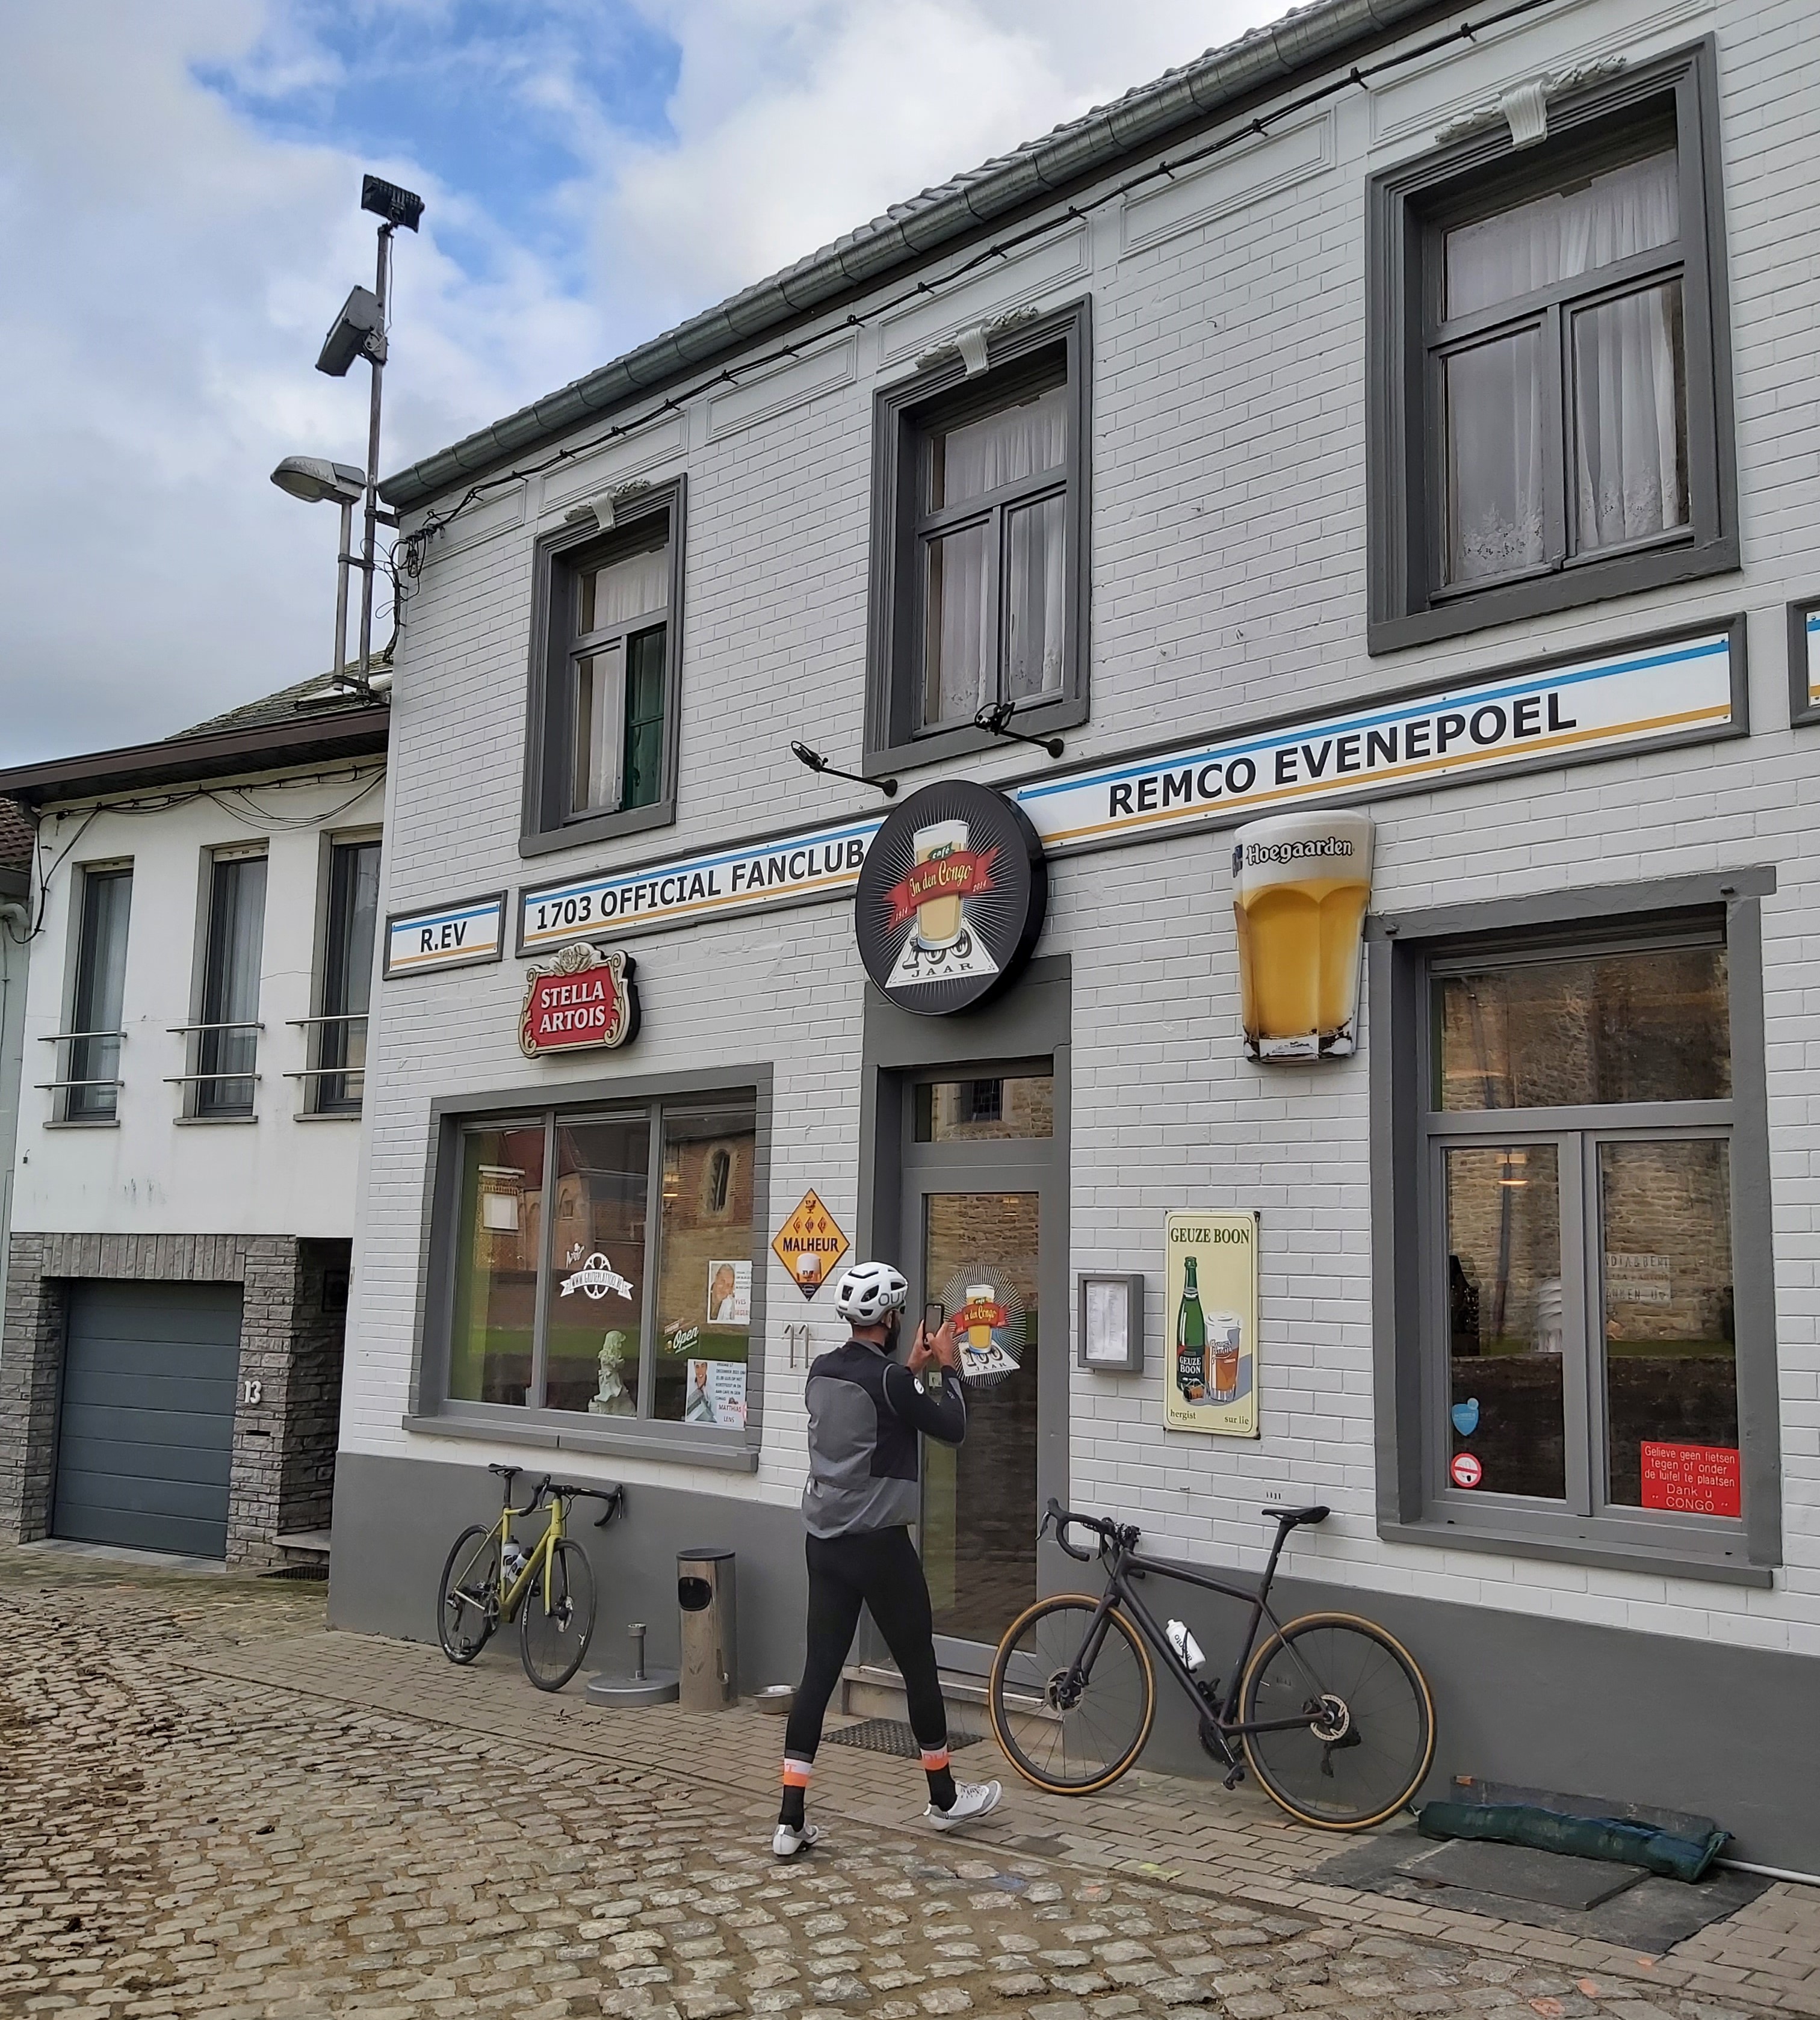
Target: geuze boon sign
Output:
[(1210, 1350), (583, 997)]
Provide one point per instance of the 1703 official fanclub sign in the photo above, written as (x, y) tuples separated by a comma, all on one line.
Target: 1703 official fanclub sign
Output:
[(583, 997), (951, 897)]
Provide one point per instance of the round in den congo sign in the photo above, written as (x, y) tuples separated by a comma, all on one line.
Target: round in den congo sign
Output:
[(951, 898)]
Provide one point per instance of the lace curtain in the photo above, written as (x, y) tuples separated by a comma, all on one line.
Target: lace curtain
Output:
[(962, 618), (1626, 400)]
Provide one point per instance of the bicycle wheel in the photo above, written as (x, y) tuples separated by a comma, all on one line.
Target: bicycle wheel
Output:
[(468, 1599), (1371, 1738), (556, 1618), (1067, 1732)]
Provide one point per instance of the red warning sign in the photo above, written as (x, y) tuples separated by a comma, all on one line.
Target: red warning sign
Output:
[(1466, 1470), (1694, 1480)]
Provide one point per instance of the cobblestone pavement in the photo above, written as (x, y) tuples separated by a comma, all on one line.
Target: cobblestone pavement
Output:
[(176, 1839)]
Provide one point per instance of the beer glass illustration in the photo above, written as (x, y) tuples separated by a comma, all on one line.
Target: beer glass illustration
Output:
[(1225, 1334), (979, 1335), (938, 918), (1301, 885)]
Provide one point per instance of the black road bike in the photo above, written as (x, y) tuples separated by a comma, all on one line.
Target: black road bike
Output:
[(1330, 1712)]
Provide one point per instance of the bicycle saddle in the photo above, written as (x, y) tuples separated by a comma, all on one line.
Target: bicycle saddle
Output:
[(1294, 1518), (504, 1472)]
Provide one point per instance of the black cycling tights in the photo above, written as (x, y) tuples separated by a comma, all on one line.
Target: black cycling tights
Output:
[(879, 1569)]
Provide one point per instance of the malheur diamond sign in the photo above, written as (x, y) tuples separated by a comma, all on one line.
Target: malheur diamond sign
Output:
[(583, 997)]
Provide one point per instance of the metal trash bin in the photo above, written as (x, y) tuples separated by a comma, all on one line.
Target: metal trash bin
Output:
[(704, 1592)]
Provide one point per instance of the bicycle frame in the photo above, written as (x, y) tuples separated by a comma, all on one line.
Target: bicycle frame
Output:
[(1124, 1567), (511, 1593)]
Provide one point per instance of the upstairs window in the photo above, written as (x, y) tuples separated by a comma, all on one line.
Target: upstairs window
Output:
[(1551, 419), (603, 702), (978, 583), (353, 918), (227, 1031), (92, 1081)]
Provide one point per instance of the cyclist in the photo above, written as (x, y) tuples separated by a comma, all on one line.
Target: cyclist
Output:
[(865, 1412)]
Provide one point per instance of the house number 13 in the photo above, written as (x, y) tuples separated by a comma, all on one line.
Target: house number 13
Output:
[(252, 1392)]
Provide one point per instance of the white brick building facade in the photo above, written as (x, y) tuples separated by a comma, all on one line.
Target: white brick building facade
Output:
[(1228, 510)]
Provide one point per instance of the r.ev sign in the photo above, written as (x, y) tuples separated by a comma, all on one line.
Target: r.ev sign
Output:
[(455, 936)]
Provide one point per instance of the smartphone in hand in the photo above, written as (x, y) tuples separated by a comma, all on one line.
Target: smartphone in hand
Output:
[(933, 1315)]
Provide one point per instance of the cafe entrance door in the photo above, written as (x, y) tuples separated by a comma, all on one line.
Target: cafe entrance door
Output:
[(984, 1237)]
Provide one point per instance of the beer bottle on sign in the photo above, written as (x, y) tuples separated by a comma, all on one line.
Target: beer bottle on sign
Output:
[(1191, 1339)]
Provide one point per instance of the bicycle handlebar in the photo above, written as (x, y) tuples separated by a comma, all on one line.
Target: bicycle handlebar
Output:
[(1120, 1535)]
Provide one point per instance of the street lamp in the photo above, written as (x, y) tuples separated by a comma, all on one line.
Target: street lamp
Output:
[(317, 482), (358, 332)]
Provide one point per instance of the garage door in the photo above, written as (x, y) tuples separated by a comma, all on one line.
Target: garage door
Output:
[(147, 1428)]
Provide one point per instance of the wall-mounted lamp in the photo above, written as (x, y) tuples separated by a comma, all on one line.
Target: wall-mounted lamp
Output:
[(995, 719), (816, 762)]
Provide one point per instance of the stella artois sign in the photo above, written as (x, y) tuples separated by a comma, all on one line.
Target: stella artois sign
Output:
[(583, 997)]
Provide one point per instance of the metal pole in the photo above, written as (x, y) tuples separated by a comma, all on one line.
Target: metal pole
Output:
[(369, 558), (347, 557)]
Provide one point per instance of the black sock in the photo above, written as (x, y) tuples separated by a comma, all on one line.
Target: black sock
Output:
[(941, 1787), (792, 1811)]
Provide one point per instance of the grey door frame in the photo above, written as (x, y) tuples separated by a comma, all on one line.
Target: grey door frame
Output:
[(1003, 1165), (1029, 1025)]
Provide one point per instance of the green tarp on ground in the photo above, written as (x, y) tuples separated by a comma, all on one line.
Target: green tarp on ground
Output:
[(1578, 1837)]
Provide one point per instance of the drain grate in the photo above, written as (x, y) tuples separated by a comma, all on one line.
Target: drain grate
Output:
[(318, 1572), (892, 1736)]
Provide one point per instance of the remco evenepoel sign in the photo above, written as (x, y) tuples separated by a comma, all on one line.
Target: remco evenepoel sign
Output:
[(1667, 691)]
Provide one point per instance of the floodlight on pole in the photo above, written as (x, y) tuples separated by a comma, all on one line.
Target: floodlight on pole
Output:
[(358, 332), (317, 482)]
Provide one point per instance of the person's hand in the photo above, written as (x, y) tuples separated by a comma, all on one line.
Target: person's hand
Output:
[(943, 1348), (921, 1352)]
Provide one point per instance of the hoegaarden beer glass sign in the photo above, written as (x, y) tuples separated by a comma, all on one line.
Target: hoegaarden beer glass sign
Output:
[(1209, 1357)]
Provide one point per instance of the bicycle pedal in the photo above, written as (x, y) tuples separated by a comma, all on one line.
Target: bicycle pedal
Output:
[(1236, 1776)]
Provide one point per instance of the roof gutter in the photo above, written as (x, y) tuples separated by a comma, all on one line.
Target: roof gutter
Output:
[(224, 754), (1313, 37)]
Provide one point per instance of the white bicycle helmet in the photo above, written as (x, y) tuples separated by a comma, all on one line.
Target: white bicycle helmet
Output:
[(868, 1291)]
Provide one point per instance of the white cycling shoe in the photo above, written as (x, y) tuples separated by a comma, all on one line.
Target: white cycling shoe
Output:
[(787, 1840), (972, 1800)]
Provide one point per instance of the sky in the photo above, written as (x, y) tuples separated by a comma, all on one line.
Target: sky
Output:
[(179, 208)]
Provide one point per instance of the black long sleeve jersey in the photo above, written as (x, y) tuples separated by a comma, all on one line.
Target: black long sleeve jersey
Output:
[(866, 1410)]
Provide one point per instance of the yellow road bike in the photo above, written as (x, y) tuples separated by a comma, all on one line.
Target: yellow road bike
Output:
[(489, 1576)]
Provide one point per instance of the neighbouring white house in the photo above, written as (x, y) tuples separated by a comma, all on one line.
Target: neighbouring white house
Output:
[(14, 954), (203, 917)]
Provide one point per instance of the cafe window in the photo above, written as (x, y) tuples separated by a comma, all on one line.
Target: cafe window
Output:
[(603, 1264), (978, 584), (601, 750), (1580, 1163), (1553, 423)]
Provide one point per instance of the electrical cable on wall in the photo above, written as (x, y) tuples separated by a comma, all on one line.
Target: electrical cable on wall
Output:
[(1258, 127)]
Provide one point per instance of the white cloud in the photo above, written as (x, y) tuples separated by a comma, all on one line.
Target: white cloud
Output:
[(173, 265)]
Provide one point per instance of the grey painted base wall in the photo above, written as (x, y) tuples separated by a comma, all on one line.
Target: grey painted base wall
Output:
[(1686, 1724)]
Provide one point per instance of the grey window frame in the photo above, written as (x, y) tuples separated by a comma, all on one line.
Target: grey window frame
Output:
[(326, 1070), (209, 1039), (903, 415), (432, 1411), (1405, 209), (79, 1054), (1416, 1503), (558, 559)]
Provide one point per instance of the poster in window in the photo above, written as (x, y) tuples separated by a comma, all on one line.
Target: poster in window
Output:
[(1209, 1344), (729, 1293), (715, 1393)]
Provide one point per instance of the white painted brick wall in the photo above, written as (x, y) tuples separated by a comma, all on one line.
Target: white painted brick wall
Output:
[(1228, 584)]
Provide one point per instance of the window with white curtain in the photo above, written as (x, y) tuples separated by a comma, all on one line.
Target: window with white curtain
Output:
[(1551, 413), (602, 751), (978, 582)]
